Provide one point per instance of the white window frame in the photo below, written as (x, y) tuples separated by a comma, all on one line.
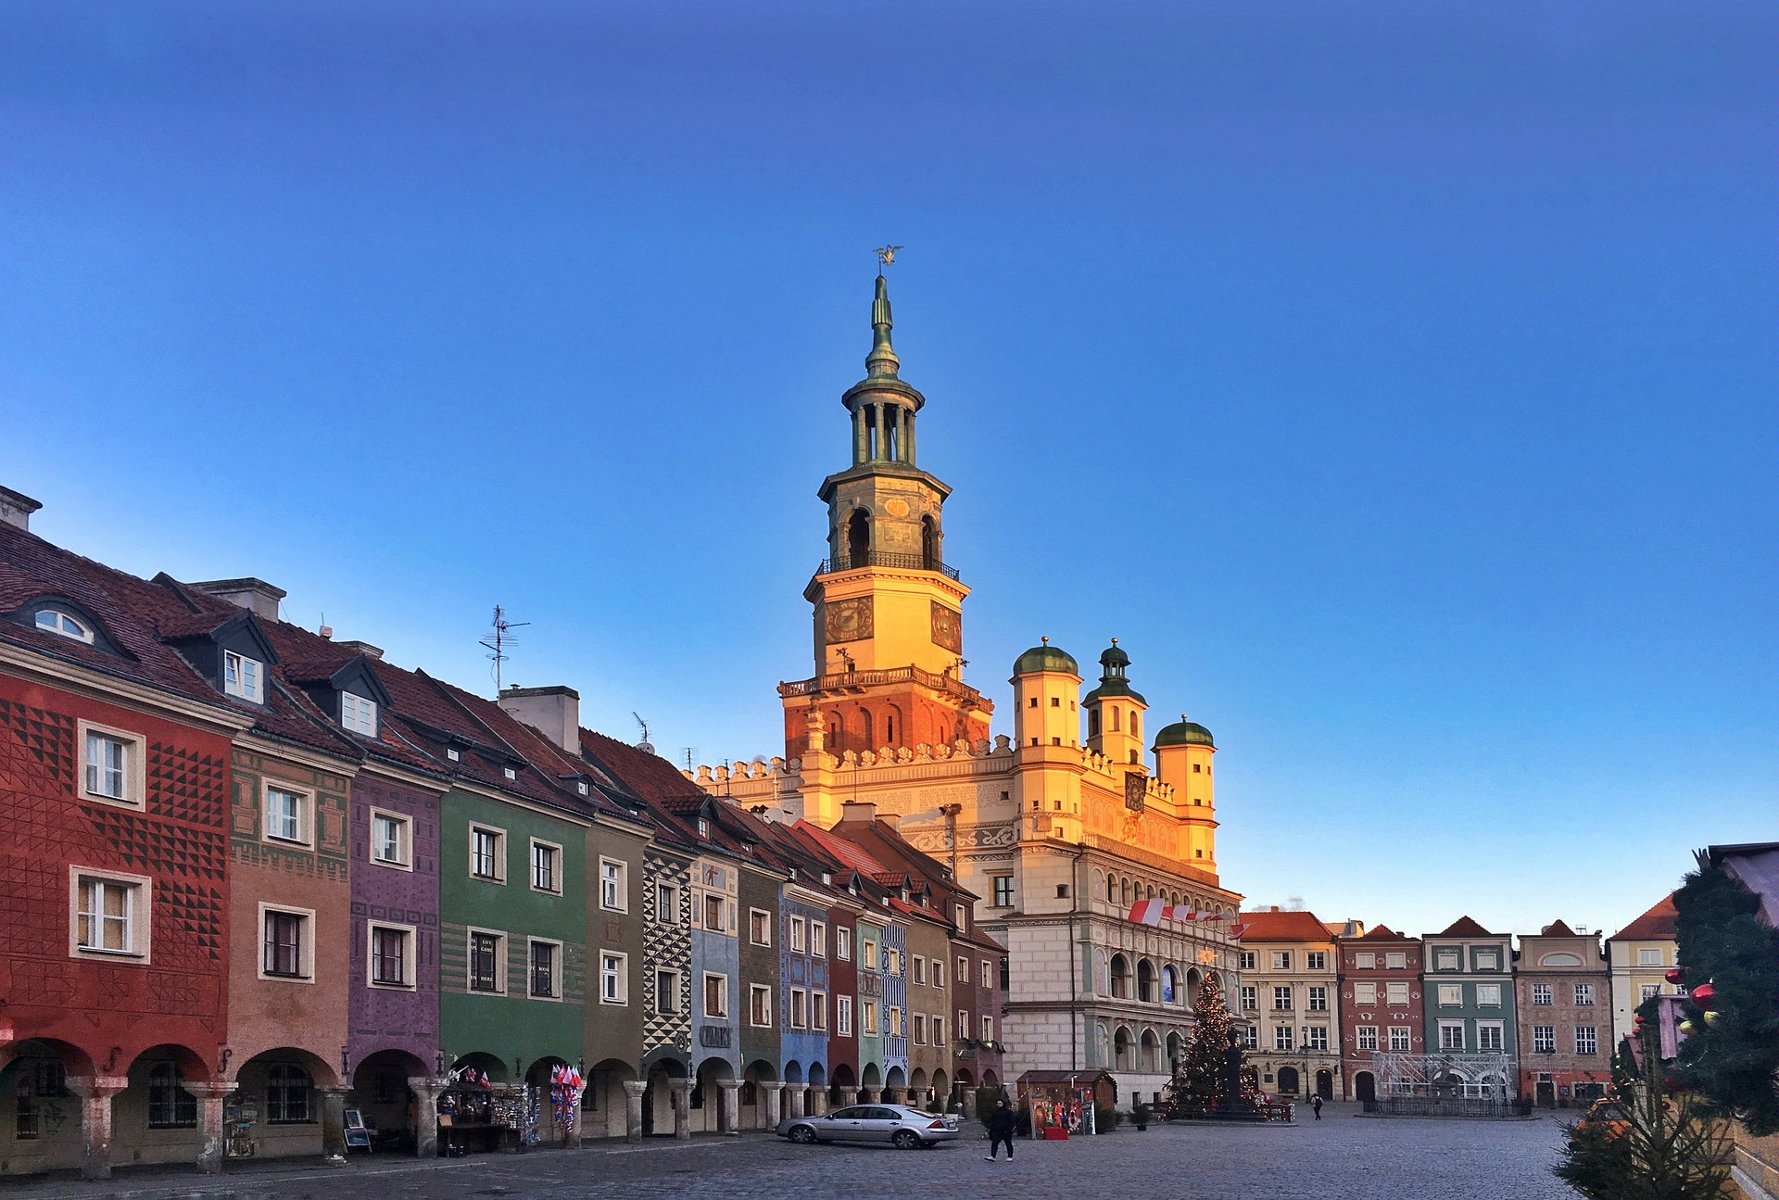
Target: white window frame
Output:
[(868, 1018), (243, 676), (1449, 995), (1485, 1028), (62, 624), (798, 932), (558, 970), (962, 975), (1404, 1043), (758, 918), (1315, 960), (988, 978), (936, 1025), (1315, 1038), (607, 973), (673, 978), (818, 1011), (963, 1022), (1447, 960), (358, 714), (892, 960), (1651, 956), (1281, 960), (1247, 960), (896, 1026), (722, 994), (1365, 960), (305, 946), (1283, 1039), (132, 775), (1396, 994), (759, 1003), (500, 853), (843, 943), (1584, 995), (1488, 960), (1248, 997), (614, 884), (1365, 993), (305, 813), (410, 953), (1451, 1027), (798, 999), (1317, 1000), (920, 1029), (920, 970), (868, 959), (1282, 999), (1396, 960), (1488, 995), (1365, 1037), (501, 951), (405, 825), (818, 939), (988, 1028), (1544, 1039), (1592, 1033), (1648, 990), (1542, 994), (138, 915), (937, 972), (843, 1016), (556, 861)]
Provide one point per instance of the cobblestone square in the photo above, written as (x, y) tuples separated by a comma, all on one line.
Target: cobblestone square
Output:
[(1341, 1157)]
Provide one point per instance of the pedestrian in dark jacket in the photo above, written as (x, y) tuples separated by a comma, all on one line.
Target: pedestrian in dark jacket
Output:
[(1000, 1130), (1316, 1106)]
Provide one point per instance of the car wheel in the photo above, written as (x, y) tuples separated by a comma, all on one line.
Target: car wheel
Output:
[(905, 1139), (803, 1135)]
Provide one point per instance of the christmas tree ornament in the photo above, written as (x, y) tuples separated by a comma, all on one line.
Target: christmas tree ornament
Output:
[(1688, 1028), (1705, 995), (1675, 975), (1711, 1018)]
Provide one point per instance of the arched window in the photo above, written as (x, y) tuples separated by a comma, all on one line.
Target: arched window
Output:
[(1120, 977), (1136, 725), (858, 538), (1122, 1050), (170, 1106), (929, 544), (1115, 725), (39, 1079), (288, 1094), (54, 620), (1145, 981), (1170, 988), (1111, 889)]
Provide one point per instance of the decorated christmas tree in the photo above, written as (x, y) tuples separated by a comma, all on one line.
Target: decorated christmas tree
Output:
[(1729, 959), (1200, 1080)]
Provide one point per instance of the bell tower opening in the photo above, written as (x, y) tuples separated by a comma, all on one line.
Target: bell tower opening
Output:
[(929, 543), (858, 538)]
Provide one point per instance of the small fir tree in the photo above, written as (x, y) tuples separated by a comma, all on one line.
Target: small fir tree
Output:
[(1655, 1144)]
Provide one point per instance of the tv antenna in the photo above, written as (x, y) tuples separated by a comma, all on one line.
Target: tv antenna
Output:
[(691, 756), (645, 746), (498, 640)]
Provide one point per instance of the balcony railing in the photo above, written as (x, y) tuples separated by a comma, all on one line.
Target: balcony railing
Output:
[(901, 562), (844, 680)]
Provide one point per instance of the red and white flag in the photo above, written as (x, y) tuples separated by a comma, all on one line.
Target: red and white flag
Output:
[(1236, 931), (1212, 917), (1180, 912), (1147, 912)]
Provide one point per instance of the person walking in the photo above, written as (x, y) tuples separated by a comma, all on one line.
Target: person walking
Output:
[(1000, 1129), (1316, 1106)]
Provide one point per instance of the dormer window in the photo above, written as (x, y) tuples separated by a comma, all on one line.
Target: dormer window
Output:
[(454, 754), (358, 714), (581, 786), (54, 620), (703, 827), (241, 676), (510, 772)]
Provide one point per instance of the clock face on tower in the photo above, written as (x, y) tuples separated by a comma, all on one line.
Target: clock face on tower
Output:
[(948, 629), (848, 620)]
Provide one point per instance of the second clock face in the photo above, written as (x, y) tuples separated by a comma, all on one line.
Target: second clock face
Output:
[(948, 628), (848, 620)]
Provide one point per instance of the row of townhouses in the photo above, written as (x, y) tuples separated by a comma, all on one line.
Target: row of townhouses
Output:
[(1344, 1012), (255, 877)]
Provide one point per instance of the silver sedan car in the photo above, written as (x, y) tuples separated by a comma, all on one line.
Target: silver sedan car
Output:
[(892, 1124)]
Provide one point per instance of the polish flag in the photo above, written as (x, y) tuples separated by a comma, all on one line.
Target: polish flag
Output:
[(1212, 917), (1180, 912), (1147, 912), (1236, 931)]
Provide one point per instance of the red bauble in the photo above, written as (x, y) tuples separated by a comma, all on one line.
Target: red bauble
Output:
[(1675, 974), (1704, 995)]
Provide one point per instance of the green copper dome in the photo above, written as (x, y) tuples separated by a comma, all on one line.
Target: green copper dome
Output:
[(1184, 733), (1113, 681), (1045, 658)]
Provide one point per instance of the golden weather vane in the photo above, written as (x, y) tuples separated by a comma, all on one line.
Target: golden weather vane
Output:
[(886, 256)]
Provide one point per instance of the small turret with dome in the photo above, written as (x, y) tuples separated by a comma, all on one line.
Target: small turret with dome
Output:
[(1046, 713), (1183, 752), (1115, 711)]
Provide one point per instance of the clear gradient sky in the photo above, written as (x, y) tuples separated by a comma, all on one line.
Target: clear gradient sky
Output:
[(1395, 380)]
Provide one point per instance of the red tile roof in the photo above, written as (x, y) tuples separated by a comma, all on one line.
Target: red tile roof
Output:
[(1557, 928), (1296, 926), (1383, 933), (1661, 923), (1465, 927)]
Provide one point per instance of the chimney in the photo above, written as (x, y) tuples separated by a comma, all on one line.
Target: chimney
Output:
[(553, 711), (858, 810), (16, 508), (364, 648), (893, 820), (254, 594)]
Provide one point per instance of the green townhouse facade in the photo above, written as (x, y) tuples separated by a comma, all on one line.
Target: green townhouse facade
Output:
[(1467, 991)]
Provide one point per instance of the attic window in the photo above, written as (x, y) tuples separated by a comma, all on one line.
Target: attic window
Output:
[(581, 786), (454, 754), (703, 827), (241, 676), (54, 620), (358, 714), (510, 772)]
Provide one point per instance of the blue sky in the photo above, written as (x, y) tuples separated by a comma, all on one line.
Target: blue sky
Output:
[(1394, 380)]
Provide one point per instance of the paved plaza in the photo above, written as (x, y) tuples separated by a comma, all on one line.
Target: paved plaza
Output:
[(1342, 1157)]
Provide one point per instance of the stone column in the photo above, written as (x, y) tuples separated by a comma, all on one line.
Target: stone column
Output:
[(427, 1091), (793, 1099), (95, 1094), (731, 1089), (848, 1096), (333, 1121), (772, 1093), (633, 1090), (210, 1097), (868, 1095), (818, 1100), (969, 1098), (682, 1109)]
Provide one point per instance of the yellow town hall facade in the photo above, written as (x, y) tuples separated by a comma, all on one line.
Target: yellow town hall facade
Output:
[(1058, 826)]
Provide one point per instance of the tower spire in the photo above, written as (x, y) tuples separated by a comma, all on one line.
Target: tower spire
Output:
[(882, 361)]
